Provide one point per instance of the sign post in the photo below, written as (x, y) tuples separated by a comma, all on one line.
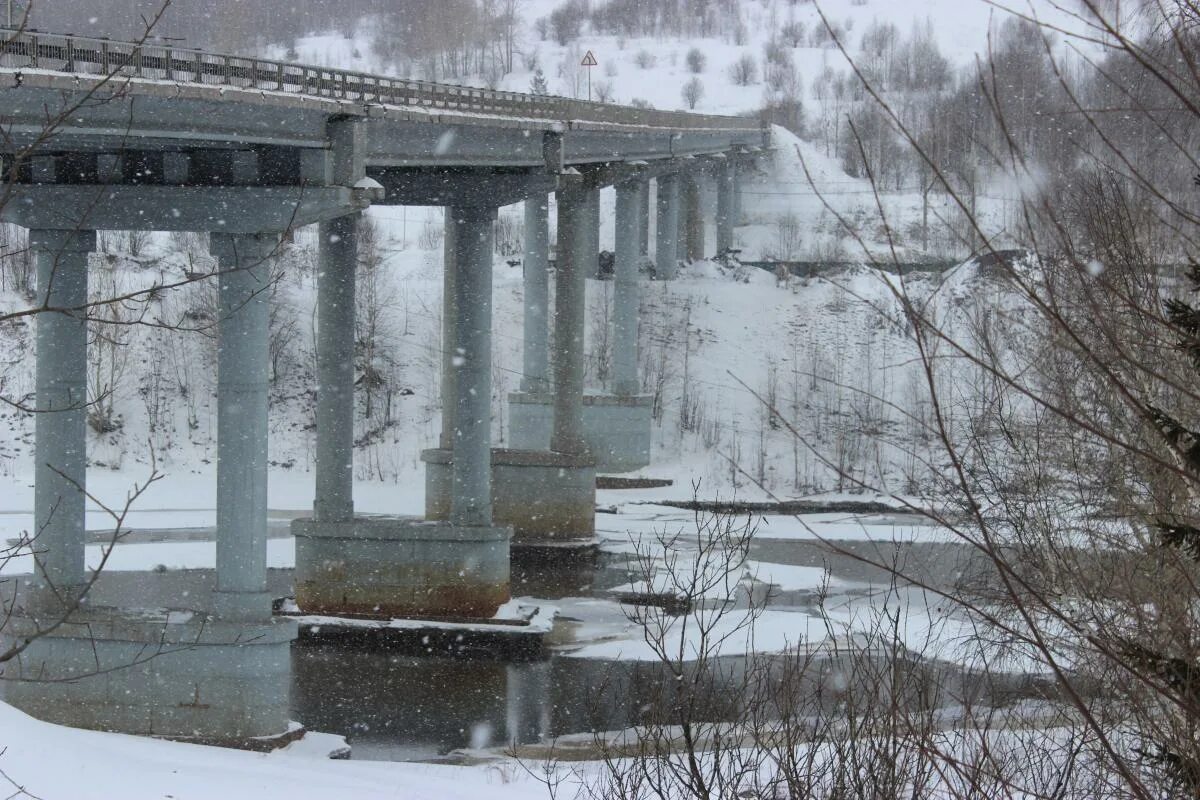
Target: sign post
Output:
[(589, 61)]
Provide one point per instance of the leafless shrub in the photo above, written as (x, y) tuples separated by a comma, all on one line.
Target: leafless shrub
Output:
[(744, 71)]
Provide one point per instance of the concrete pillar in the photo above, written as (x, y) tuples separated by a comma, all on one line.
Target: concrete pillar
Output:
[(666, 253), (242, 366), (471, 495), (60, 426), (726, 188), (570, 293), (449, 270), (736, 169), (644, 218), (681, 218), (536, 366), (338, 255), (591, 252), (625, 292), (694, 223)]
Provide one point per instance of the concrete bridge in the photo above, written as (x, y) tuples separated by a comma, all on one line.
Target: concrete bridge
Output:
[(110, 136)]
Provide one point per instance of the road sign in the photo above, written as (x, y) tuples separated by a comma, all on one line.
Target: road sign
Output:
[(589, 61)]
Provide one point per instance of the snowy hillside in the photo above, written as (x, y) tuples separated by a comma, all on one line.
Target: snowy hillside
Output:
[(654, 69), (960, 27)]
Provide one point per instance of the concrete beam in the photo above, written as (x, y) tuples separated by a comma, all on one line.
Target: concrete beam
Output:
[(347, 150), (440, 187), (598, 176), (553, 152), (221, 209)]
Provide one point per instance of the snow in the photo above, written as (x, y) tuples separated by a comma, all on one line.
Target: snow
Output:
[(57, 763), (773, 631)]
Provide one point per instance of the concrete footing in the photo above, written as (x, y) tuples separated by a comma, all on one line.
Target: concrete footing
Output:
[(178, 674), (401, 566), (543, 496), (616, 429)]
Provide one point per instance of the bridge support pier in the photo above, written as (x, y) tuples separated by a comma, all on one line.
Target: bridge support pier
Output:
[(471, 497), (449, 312), (726, 191), (540, 494), (535, 378), (644, 217), (553, 464), (218, 673), (60, 437), (616, 427), (693, 224), (626, 297), (338, 262), (525, 489), (666, 251), (570, 303), (242, 365), (627, 421), (590, 251), (456, 563)]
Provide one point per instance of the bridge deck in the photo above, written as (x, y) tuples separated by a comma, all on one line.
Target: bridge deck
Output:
[(161, 95)]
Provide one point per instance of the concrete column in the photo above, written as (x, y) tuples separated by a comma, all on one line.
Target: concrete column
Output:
[(736, 169), (242, 366), (644, 218), (570, 296), (666, 253), (449, 270), (471, 495), (681, 218), (625, 294), (591, 253), (536, 366), (60, 426), (694, 223), (338, 255), (726, 188)]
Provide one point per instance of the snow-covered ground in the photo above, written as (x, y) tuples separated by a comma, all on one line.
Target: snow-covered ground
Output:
[(50, 761)]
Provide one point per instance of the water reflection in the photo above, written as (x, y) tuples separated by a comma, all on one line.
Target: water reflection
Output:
[(400, 708), (405, 708)]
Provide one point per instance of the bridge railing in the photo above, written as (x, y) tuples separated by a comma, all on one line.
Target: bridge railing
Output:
[(88, 56)]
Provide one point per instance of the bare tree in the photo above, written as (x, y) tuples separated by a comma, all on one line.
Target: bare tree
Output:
[(744, 71), (1063, 421), (693, 92)]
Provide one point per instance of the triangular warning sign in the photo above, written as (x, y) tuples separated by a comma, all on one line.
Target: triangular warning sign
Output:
[(589, 59)]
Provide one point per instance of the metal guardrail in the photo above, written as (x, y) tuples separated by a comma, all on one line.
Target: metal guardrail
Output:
[(87, 56)]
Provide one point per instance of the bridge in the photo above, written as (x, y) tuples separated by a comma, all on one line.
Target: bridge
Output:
[(104, 135)]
